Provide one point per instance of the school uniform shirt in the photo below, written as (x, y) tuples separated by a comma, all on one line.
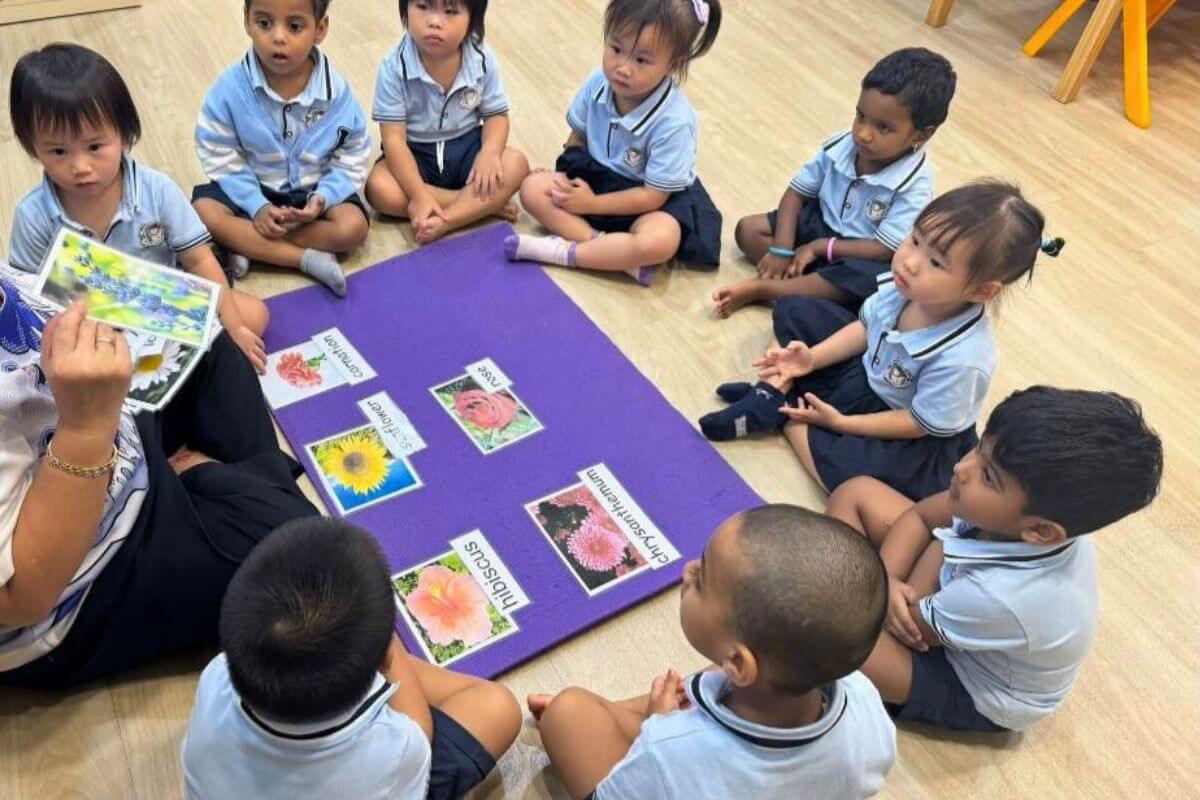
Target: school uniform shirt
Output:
[(707, 751), (371, 752), (1017, 620), (248, 136), (654, 143), (406, 93), (28, 416), (940, 373), (154, 220), (883, 205)]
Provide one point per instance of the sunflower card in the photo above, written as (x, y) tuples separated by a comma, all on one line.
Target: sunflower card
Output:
[(160, 368), (127, 292), (299, 372), (447, 610), (357, 470), (492, 419)]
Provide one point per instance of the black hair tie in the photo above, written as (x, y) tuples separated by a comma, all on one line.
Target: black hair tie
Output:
[(1052, 247)]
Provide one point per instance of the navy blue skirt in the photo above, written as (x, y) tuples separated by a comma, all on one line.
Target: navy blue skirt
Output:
[(699, 220), (916, 468), (855, 276)]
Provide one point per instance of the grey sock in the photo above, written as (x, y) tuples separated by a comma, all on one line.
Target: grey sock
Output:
[(239, 265), (325, 268)]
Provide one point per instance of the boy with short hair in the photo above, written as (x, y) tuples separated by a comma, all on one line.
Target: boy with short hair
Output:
[(786, 603), (992, 584), (314, 696), (847, 210), (286, 148)]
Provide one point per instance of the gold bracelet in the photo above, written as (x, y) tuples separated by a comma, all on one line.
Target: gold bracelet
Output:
[(78, 471)]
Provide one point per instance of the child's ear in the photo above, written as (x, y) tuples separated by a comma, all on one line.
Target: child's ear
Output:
[(322, 30), (391, 654), (740, 665), (922, 136), (984, 292), (1039, 530)]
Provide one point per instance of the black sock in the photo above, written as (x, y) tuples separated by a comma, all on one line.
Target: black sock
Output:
[(756, 412), (732, 392)]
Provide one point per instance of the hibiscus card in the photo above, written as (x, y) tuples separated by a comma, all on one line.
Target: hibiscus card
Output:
[(448, 611), (160, 368), (299, 372), (492, 418), (357, 470)]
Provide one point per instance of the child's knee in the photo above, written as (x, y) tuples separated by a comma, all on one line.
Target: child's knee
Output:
[(516, 166), (748, 231), (535, 190), (384, 193), (566, 708)]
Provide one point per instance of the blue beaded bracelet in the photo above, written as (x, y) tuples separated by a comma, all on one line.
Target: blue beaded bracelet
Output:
[(782, 252)]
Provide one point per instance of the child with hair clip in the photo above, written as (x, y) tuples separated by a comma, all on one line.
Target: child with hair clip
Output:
[(624, 195), (443, 117), (71, 111), (894, 394)]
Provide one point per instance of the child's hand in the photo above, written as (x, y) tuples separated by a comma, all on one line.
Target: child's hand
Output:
[(772, 266), (421, 209), (804, 256), (250, 344), (664, 693), (270, 221), (815, 412), (573, 195), (486, 175), (899, 621), (786, 363), (311, 212)]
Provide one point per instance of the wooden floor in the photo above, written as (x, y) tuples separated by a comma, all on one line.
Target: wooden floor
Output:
[(1118, 311)]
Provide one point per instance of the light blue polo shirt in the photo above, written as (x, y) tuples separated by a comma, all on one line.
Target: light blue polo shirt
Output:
[(654, 143), (1017, 620), (370, 753), (295, 115), (883, 205), (940, 373), (154, 220), (405, 92), (708, 752)]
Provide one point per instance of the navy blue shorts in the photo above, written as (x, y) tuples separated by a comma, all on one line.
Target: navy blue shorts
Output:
[(939, 698), (295, 199), (699, 220), (916, 468), (854, 276), (458, 159), (460, 762)]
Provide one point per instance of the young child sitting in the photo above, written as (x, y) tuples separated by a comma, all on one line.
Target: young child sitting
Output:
[(443, 116), (992, 584), (314, 695), (895, 393), (849, 208), (72, 112), (786, 603), (285, 146), (624, 195)]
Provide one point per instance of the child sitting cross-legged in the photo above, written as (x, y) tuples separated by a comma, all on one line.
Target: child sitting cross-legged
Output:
[(786, 603), (992, 584), (314, 696)]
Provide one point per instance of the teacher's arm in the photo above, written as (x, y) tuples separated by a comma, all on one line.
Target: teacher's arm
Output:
[(88, 367)]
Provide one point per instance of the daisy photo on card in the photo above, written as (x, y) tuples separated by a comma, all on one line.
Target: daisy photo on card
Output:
[(586, 537), (447, 610), (357, 470), (491, 419), (158, 372)]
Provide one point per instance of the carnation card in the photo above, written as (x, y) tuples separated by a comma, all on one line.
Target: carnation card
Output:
[(357, 470), (595, 548), (127, 292), (160, 368), (299, 372), (448, 611), (492, 419)]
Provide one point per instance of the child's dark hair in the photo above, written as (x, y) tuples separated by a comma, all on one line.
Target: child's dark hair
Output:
[(63, 87), (678, 23), (307, 620), (920, 79), (1004, 228), (810, 598), (1084, 459), (476, 10), (320, 8)]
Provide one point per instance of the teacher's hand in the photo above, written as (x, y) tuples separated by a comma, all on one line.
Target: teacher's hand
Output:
[(88, 366)]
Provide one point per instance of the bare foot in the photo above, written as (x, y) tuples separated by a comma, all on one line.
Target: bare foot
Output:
[(729, 299), (186, 459), (508, 213), (432, 229), (537, 704)]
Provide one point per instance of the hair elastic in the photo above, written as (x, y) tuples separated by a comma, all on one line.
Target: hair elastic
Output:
[(1053, 246), (781, 252), (829, 249), (701, 9)]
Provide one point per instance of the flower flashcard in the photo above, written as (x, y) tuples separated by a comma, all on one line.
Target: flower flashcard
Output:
[(491, 419), (357, 470), (298, 372), (160, 368), (448, 611)]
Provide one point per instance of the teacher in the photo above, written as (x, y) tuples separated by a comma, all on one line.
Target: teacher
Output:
[(119, 533)]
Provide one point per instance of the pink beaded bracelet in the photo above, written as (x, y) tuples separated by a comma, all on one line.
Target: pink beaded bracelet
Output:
[(829, 249)]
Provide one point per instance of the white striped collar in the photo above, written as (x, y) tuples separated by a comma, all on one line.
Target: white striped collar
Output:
[(471, 68), (319, 86), (326, 731), (708, 690), (636, 120), (925, 342), (961, 545), (895, 176)]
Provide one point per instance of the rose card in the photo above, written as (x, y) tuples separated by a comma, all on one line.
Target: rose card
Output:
[(492, 418), (299, 372)]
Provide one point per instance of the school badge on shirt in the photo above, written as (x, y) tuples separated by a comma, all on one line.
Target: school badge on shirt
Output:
[(470, 98), (152, 234), (634, 157), (897, 376), (877, 209), (314, 116)]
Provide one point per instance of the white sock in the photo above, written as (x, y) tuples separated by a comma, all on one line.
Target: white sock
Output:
[(325, 268), (544, 249)]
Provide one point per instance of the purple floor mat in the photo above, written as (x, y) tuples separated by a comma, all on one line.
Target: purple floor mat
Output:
[(419, 319)]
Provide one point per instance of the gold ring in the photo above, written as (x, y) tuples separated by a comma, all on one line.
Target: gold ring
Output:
[(106, 340)]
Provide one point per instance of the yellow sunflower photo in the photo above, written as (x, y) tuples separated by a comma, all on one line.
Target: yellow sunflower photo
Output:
[(357, 470)]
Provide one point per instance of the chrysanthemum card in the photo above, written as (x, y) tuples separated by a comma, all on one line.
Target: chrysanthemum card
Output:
[(357, 470), (492, 416)]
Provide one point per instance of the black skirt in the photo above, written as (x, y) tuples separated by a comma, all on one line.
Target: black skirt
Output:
[(855, 276), (699, 220)]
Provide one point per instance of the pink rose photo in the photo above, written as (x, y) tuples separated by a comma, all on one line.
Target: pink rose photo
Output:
[(491, 420)]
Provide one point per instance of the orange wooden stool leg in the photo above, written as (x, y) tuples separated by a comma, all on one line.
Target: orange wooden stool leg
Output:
[(1137, 75), (938, 13), (1047, 29)]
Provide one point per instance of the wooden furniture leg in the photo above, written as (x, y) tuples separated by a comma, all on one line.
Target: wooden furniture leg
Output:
[(1084, 56), (1051, 26), (939, 11)]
